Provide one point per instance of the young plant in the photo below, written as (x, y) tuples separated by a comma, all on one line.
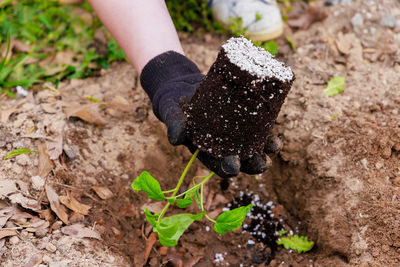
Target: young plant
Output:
[(170, 229)]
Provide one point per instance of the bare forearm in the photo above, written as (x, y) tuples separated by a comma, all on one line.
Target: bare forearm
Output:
[(143, 28)]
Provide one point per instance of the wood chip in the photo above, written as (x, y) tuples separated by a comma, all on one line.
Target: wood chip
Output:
[(55, 204), (103, 192), (80, 231), (88, 112), (70, 202)]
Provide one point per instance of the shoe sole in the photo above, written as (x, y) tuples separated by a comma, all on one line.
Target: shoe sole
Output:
[(266, 35)]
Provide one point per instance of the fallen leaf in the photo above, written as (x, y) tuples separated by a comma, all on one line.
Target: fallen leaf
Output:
[(154, 207), (25, 202), (7, 232), (149, 245), (45, 164), (5, 214), (88, 112), (80, 231), (55, 204), (192, 261), (46, 214), (55, 147), (34, 261), (305, 19), (5, 114), (76, 217), (19, 46), (7, 187), (127, 211), (343, 44), (70, 202), (103, 192)]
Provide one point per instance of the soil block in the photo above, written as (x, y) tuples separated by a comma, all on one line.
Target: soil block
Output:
[(236, 105)]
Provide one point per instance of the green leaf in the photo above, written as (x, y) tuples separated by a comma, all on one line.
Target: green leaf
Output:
[(271, 46), (335, 86), (19, 151), (151, 218), (231, 220), (298, 243), (171, 228), (151, 186), (184, 203)]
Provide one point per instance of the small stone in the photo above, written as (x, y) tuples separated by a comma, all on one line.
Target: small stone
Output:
[(388, 21), (41, 232), (46, 259), (379, 165), (357, 20), (50, 247), (37, 182), (70, 151), (22, 159), (14, 240), (58, 264)]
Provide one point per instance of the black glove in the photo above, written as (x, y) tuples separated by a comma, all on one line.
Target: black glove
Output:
[(170, 80)]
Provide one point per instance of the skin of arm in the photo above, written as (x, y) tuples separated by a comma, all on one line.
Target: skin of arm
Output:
[(143, 28)]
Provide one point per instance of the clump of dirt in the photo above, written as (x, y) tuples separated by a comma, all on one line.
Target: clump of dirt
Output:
[(237, 103)]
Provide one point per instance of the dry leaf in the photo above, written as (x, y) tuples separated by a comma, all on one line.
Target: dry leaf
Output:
[(103, 192), (19, 46), (25, 202), (127, 211), (88, 112), (7, 187), (80, 231), (343, 43), (154, 207), (55, 204), (5, 114), (45, 164), (55, 147), (6, 214), (307, 18), (192, 261), (46, 214), (149, 245), (7, 232), (70, 202), (34, 261)]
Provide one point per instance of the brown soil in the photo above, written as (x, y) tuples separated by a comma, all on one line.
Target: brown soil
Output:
[(229, 114), (336, 180)]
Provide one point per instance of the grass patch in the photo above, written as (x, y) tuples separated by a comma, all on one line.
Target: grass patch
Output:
[(58, 42)]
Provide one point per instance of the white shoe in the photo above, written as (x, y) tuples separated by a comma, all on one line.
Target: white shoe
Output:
[(262, 18)]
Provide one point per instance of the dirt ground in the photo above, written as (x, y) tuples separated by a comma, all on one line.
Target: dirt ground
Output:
[(336, 180)]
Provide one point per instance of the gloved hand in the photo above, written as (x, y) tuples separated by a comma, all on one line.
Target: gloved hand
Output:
[(170, 80)]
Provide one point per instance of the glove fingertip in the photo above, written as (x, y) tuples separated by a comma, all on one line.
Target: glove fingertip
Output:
[(230, 166), (273, 144)]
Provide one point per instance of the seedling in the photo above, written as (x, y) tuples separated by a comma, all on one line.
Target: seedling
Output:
[(295, 242), (19, 151), (170, 229)]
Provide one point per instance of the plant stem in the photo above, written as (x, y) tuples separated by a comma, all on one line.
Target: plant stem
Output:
[(174, 191), (184, 172), (208, 218)]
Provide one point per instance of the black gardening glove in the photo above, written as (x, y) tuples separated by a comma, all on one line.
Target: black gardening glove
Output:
[(170, 81)]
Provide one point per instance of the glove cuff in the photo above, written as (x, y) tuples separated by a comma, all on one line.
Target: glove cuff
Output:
[(165, 67)]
